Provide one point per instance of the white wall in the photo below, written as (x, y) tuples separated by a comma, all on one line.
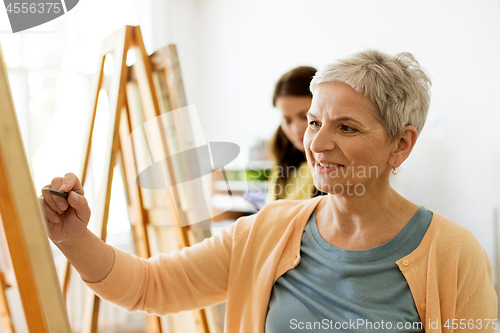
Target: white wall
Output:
[(232, 52)]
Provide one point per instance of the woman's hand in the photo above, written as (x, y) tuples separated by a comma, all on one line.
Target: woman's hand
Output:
[(66, 219)]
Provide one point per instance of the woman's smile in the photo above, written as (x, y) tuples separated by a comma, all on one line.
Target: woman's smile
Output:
[(327, 166)]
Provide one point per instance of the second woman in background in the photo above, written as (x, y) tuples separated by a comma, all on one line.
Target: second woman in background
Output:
[(290, 175)]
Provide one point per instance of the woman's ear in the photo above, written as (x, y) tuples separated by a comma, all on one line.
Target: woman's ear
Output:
[(403, 146)]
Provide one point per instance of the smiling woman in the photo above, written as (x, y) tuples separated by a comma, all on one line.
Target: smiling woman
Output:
[(366, 114), (356, 261), (345, 139)]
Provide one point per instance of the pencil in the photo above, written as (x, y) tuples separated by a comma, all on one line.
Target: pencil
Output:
[(56, 192)]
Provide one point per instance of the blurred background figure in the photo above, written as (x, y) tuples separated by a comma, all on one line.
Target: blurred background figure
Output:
[(290, 175)]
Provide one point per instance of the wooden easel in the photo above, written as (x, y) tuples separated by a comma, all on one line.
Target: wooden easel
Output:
[(124, 116), (24, 226), (165, 234), (5, 316)]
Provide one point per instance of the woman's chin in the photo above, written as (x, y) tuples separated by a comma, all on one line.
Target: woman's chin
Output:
[(329, 188)]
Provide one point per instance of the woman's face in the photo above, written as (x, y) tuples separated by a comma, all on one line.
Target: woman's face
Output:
[(294, 124), (347, 147)]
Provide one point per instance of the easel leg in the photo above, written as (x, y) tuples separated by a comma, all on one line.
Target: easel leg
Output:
[(7, 326)]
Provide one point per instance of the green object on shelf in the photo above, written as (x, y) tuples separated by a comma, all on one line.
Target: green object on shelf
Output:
[(249, 175), (261, 175)]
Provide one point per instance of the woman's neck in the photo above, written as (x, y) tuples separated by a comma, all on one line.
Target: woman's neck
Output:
[(363, 221)]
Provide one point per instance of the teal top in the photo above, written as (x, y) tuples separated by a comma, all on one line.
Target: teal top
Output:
[(333, 289)]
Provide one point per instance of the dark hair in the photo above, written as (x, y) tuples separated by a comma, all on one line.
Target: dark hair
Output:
[(283, 152), (294, 83)]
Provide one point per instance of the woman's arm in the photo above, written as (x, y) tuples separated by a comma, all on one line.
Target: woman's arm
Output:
[(66, 221), (194, 277), (90, 256)]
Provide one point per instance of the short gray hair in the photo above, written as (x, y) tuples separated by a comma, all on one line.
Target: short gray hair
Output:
[(397, 86)]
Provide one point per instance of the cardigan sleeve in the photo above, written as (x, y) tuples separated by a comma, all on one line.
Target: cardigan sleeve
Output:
[(192, 278), (479, 310)]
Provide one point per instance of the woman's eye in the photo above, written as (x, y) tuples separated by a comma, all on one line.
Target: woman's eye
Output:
[(348, 129), (313, 123)]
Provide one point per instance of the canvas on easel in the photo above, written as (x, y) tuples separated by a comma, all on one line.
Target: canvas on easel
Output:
[(24, 226), (171, 96), (149, 105), (186, 198)]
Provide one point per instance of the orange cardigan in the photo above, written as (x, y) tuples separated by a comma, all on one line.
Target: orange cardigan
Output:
[(449, 274)]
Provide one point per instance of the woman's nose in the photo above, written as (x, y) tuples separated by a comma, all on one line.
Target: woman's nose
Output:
[(322, 141)]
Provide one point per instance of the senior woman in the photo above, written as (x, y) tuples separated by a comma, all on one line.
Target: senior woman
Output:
[(360, 259)]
